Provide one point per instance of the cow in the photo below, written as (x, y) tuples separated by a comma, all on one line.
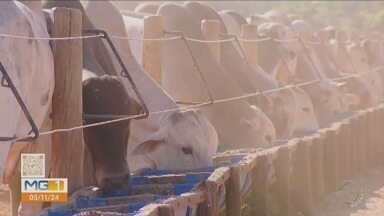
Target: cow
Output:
[(247, 128), (187, 136), (29, 64), (149, 8), (326, 97), (283, 107), (107, 144)]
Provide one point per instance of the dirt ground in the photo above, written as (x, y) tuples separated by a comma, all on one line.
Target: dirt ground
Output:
[(369, 186)]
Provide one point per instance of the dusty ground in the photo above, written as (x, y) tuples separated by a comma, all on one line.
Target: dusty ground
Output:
[(371, 187)]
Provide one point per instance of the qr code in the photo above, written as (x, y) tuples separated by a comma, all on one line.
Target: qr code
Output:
[(33, 165)]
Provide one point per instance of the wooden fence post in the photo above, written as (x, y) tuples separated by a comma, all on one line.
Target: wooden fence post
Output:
[(330, 153), (376, 134), (210, 206), (380, 138), (361, 142), (282, 166), (341, 54), (67, 148), (316, 155), (152, 49), (343, 151), (249, 31), (232, 193), (211, 30), (370, 138), (260, 185), (354, 156), (165, 210), (301, 183)]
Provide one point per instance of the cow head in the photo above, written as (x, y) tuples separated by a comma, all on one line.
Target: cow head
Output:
[(326, 99), (108, 143), (184, 140), (280, 108)]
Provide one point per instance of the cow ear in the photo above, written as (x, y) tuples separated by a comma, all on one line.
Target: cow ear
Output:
[(152, 143)]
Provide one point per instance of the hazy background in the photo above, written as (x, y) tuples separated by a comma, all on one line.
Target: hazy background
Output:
[(361, 15)]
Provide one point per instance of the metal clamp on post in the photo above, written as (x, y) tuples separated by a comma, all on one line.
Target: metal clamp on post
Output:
[(6, 82), (124, 72)]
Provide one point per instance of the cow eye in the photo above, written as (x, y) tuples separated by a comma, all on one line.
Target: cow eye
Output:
[(187, 150)]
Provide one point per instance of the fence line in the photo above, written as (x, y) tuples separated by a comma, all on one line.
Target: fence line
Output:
[(191, 107), (172, 38)]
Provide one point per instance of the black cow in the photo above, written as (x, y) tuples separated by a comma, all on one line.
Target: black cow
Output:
[(107, 143), (103, 94)]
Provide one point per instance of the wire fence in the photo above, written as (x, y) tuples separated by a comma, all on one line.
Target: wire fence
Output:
[(188, 107)]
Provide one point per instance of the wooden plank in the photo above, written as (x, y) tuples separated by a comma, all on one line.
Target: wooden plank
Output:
[(361, 142), (282, 166), (260, 186), (301, 184), (329, 161), (379, 135), (220, 175), (354, 159), (370, 138), (152, 49), (343, 151), (249, 31), (149, 210), (185, 199), (67, 148), (211, 30), (210, 204), (211, 188), (165, 210), (232, 193), (316, 156)]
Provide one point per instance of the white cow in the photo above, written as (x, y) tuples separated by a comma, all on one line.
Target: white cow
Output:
[(160, 140), (290, 110), (149, 8), (238, 125), (30, 65)]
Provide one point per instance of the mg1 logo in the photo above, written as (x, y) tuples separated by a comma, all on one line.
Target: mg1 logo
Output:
[(44, 189), (36, 188)]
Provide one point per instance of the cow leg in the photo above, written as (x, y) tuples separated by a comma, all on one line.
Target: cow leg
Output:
[(15, 192)]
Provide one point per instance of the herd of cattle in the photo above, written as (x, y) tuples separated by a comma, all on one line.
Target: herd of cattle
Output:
[(182, 139)]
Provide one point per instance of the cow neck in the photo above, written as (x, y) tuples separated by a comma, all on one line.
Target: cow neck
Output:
[(247, 78), (219, 83)]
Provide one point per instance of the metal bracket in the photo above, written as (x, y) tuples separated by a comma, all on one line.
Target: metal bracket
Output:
[(6, 82), (196, 68), (124, 73)]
